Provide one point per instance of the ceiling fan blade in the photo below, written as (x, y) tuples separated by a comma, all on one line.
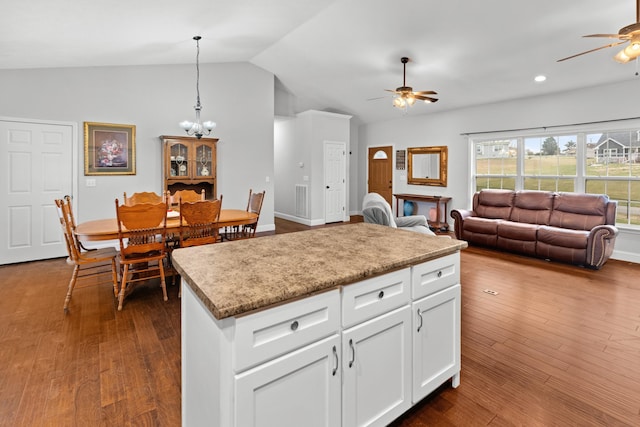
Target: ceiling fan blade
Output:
[(425, 92), (426, 98), (611, 36), (377, 97), (592, 50), (392, 91)]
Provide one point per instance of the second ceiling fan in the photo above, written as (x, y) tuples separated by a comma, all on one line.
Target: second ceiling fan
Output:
[(630, 33), (405, 95)]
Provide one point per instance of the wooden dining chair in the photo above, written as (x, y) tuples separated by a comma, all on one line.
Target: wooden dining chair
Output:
[(254, 205), (199, 222), (142, 230), (86, 263), (185, 196), (143, 197)]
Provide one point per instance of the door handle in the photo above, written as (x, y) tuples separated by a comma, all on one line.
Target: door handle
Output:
[(327, 187), (353, 353), (335, 355), (421, 320)]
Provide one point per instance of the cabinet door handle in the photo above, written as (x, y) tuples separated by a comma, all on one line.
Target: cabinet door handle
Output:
[(335, 355), (381, 295), (294, 325), (353, 353), (439, 274), (420, 317)]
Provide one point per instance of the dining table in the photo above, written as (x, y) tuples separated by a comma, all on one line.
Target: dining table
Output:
[(107, 229)]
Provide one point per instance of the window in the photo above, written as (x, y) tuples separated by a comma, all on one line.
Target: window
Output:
[(496, 165), (594, 161), (612, 166)]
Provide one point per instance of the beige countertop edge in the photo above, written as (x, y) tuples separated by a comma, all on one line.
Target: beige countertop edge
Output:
[(241, 309)]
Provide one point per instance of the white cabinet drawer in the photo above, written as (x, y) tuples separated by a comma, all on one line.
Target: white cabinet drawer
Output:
[(433, 276), (373, 297), (270, 333)]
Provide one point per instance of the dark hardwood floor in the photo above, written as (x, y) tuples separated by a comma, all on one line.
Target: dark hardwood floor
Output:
[(558, 345)]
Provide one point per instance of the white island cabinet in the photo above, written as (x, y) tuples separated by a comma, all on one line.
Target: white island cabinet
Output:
[(347, 353)]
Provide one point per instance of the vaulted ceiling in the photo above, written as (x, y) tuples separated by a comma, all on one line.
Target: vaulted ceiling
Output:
[(337, 55)]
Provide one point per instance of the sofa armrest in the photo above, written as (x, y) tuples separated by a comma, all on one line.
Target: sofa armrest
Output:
[(411, 220), (600, 245), (459, 215)]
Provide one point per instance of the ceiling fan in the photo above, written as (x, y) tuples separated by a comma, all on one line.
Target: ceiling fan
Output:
[(630, 33), (405, 95)]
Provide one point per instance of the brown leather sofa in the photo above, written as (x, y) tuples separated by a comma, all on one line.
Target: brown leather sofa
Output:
[(568, 227)]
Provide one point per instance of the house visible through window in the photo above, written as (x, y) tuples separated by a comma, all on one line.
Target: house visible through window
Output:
[(601, 161)]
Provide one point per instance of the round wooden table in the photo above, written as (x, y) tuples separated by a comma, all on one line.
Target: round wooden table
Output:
[(107, 229)]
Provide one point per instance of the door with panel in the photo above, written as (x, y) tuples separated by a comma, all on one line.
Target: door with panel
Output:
[(380, 172), (335, 199), (301, 388), (436, 341), (376, 366), (36, 159)]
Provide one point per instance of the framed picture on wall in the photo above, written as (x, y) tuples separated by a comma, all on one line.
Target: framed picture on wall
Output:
[(109, 149)]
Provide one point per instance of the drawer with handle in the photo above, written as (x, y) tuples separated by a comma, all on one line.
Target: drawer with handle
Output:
[(270, 333), (375, 296), (433, 276)]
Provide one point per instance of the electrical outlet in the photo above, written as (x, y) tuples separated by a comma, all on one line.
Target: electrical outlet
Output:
[(91, 182), (490, 292)]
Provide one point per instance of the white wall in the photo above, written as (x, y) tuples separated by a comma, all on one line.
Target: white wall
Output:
[(288, 154), (610, 102), (238, 96)]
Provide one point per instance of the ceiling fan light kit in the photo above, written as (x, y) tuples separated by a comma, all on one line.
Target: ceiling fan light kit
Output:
[(405, 97), (630, 33)]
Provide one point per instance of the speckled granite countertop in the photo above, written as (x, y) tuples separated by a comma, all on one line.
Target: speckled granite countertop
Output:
[(233, 278)]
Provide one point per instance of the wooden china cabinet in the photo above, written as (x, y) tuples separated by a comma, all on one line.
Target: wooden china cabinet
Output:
[(189, 164)]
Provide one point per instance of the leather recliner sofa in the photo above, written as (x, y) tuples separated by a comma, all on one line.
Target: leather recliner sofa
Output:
[(568, 227)]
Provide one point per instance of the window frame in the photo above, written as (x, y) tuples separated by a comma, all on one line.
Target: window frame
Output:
[(579, 179)]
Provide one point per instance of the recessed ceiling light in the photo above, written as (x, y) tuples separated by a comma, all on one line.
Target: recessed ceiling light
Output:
[(540, 78)]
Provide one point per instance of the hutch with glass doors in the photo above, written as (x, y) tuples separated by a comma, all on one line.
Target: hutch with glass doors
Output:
[(189, 164)]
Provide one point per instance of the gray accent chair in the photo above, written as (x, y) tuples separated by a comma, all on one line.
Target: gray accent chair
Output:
[(376, 210)]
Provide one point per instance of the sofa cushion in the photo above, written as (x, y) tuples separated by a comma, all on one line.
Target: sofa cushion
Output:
[(562, 244), (563, 237), (481, 231), (578, 211), (495, 204), (517, 230), (532, 207), (517, 237), (481, 225)]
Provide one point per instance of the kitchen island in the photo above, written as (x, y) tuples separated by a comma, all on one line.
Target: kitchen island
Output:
[(347, 325)]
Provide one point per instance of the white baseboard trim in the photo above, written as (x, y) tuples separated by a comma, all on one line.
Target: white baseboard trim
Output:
[(293, 218), (626, 256), (265, 227)]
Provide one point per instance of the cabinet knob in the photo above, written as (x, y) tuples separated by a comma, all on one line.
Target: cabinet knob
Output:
[(439, 274), (381, 294), (294, 325)]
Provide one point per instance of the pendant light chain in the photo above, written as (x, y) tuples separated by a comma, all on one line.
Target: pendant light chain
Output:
[(197, 128), (197, 38)]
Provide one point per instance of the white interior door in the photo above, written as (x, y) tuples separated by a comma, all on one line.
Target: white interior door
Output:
[(36, 163), (335, 170)]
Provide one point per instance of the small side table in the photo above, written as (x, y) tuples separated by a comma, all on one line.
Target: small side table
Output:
[(440, 223)]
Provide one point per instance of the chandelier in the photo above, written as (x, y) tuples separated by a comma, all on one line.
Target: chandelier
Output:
[(198, 128)]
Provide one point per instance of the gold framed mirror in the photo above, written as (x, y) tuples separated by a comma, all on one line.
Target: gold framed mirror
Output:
[(427, 166)]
